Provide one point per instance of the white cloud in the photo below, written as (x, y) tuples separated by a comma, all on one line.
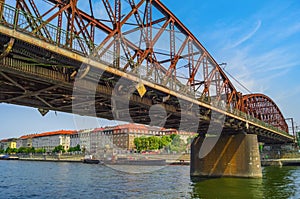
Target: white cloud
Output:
[(247, 36)]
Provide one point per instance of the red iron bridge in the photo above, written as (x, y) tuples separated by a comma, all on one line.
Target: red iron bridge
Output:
[(134, 61)]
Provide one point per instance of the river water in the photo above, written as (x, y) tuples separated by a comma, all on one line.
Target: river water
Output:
[(22, 179)]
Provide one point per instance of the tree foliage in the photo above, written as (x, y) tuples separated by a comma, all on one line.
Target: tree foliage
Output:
[(26, 150), (11, 150), (76, 148), (170, 142), (177, 144), (59, 149), (40, 150)]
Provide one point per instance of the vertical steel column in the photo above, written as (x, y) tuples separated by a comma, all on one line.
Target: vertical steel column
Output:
[(218, 84), (71, 24), (68, 28), (172, 51), (16, 17), (59, 28), (92, 33), (117, 24), (2, 2), (191, 64), (148, 22)]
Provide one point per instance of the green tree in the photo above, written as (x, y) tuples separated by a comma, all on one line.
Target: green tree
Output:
[(59, 149), (145, 143), (165, 141), (11, 150), (153, 142), (22, 150), (40, 150), (26, 150), (173, 136), (73, 149), (138, 144), (1, 150), (77, 147), (177, 144)]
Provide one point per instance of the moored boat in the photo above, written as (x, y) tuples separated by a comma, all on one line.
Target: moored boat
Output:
[(90, 160), (8, 157)]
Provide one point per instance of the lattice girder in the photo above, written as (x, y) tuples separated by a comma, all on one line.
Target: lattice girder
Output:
[(265, 109), (139, 37)]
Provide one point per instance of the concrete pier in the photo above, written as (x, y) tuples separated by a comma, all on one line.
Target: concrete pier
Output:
[(231, 156)]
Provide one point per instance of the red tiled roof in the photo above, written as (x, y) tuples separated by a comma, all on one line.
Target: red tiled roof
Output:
[(61, 132), (132, 126), (98, 129), (23, 137)]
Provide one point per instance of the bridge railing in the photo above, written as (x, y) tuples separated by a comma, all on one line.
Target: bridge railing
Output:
[(22, 21), (19, 20), (255, 120)]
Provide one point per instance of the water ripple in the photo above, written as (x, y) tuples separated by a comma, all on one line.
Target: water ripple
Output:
[(32, 180)]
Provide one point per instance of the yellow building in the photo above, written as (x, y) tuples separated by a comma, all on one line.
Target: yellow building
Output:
[(8, 143), (12, 144)]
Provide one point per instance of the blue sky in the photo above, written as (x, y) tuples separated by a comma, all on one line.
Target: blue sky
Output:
[(259, 41)]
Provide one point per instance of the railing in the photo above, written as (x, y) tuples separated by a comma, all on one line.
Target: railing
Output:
[(19, 20)]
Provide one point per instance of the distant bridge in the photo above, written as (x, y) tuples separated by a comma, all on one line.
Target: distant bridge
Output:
[(55, 56)]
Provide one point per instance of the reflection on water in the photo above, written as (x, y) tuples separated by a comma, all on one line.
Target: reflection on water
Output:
[(276, 183), (228, 188), (283, 182), (20, 179)]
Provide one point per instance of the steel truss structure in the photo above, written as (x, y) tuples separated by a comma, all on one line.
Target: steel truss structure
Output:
[(263, 108), (146, 39), (143, 38)]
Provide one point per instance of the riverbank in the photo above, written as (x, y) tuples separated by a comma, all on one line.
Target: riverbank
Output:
[(281, 162), (169, 159), (52, 158)]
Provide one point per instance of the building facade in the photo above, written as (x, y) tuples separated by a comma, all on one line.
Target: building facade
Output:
[(47, 141), (121, 137), (106, 140), (25, 141), (8, 143)]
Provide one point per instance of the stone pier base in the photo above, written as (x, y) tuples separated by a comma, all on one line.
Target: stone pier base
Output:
[(231, 156)]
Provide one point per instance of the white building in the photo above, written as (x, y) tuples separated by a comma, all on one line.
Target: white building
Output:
[(74, 140), (85, 140), (50, 140), (25, 141)]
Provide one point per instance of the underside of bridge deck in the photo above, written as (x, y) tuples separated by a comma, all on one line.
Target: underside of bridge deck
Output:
[(35, 77), (54, 56)]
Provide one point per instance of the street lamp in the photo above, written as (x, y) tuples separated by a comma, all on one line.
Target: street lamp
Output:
[(292, 121), (223, 64)]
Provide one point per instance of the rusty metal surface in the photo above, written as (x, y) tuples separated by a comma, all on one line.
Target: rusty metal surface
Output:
[(140, 41), (264, 109), (159, 43)]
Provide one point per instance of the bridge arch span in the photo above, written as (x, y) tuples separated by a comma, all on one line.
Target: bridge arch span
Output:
[(264, 108)]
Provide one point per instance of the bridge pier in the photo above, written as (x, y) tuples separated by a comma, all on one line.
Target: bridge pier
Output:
[(232, 156)]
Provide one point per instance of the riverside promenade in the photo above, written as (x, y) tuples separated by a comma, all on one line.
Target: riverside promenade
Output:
[(170, 159), (281, 162), (52, 158)]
